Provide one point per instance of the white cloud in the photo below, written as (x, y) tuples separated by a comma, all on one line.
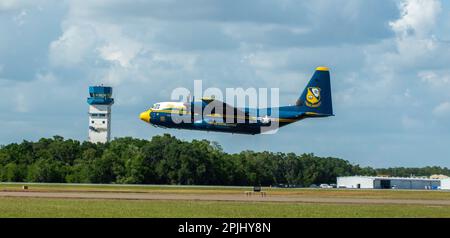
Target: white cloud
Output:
[(415, 39), (442, 109), (418, 18), (20, 17), (84, 40), (118, 47), (21, 103), (381, 73), (435, 80), (73, 46), (409, 122), (42, 94), (115, 54), (413, 57), (14, 5), (10, 4)]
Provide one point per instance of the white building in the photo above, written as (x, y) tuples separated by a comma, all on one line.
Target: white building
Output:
[(387, 182), (445, 183), (100, 103)]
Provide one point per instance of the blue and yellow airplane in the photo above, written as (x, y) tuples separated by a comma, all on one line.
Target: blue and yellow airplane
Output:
[(315, 101)]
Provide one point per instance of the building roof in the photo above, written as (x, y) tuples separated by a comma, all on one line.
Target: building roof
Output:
[(392, 178)]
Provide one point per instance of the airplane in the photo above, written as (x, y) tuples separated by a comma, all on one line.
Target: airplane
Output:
[(314, 102)]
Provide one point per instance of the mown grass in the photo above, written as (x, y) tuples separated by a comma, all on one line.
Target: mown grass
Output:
[(43, 207), (344, 193), (123, 188)]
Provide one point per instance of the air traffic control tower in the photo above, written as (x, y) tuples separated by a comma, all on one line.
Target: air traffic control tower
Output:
[(100, 102)]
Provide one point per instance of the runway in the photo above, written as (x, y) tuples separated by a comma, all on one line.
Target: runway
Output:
[(219, 197)]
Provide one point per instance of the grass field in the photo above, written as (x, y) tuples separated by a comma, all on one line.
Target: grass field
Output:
[(361, 193), (38, 207), (70, 207)]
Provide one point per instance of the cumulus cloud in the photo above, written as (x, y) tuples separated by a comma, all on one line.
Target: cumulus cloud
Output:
[(410, 60), (435, 80), (418, 18), (389, 65), (73, 46), (21, 103), (409, 122), (26, 28), (7, 5), (442, 109), (416, 43), (20, 17), (122, 55)]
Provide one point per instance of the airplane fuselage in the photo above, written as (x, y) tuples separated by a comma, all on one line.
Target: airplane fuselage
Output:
[(214, 115), (254, 121)]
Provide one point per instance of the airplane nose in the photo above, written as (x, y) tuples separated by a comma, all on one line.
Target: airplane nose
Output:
[(145, 116)]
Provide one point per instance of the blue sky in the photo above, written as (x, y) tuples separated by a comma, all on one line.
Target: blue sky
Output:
[(389, 63)]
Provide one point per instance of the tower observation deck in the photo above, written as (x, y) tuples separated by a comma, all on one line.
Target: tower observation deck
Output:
[(100, 101)]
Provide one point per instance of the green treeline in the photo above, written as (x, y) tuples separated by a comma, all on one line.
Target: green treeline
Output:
[(168, 160)]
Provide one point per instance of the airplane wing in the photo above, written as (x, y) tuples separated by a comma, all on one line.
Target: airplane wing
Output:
[(222, 108)]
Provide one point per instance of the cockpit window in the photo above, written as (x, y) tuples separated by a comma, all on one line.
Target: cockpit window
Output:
[(156, 106)]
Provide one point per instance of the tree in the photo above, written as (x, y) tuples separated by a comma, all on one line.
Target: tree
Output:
[(47, 170), (167, 160), (12, 172)]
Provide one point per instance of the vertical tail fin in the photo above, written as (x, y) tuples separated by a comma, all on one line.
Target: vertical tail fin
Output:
[(316, 98)]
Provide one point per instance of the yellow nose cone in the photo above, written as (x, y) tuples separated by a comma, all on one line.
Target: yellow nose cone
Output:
[(145, 116)]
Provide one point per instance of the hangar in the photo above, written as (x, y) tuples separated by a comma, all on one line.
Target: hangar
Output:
[(387, 182), (445, 184)]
